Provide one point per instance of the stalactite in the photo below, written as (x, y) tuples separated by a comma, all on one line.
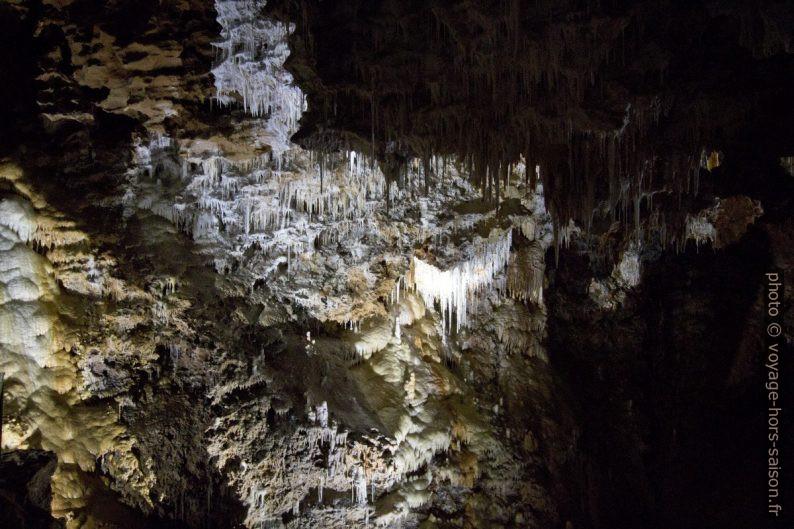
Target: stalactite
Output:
[(502, 123), (359, 488), (452, 288), (251, 58)]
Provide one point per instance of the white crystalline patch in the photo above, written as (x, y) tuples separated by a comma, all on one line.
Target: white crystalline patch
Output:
[(282, 203), (452, 288), (418, 448)]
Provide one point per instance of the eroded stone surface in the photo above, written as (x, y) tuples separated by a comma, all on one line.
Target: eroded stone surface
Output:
[(212, 326)]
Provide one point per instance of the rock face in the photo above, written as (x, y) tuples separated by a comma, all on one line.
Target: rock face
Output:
[(25, 489), (341, 264)]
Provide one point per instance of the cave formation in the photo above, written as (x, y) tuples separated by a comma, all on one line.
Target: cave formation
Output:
[(386, 263)]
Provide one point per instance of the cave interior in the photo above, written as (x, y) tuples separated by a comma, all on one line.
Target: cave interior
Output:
[(420, 264)]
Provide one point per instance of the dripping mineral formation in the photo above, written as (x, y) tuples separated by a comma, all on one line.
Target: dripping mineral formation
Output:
[(320, 265)]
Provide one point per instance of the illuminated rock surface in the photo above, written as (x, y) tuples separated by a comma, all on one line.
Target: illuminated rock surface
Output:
[(390, 264)]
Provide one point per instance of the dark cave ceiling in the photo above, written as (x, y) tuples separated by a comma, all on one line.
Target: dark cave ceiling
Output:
[(614, 100), (206, 324)]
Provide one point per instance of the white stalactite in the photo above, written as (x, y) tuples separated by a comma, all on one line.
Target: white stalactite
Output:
[(452, 288), (359, 486), (322, 414), (251, 67)]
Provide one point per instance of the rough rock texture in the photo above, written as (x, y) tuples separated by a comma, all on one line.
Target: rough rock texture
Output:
[(390, 320), (241, 318), (25, 489)]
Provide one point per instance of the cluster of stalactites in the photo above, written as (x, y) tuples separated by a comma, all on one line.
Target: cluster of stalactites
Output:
[(598, 175), (452, 288), (495, 109), (266, 194), (324, 432), (528, 65), (250, 67), (318, 195)]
